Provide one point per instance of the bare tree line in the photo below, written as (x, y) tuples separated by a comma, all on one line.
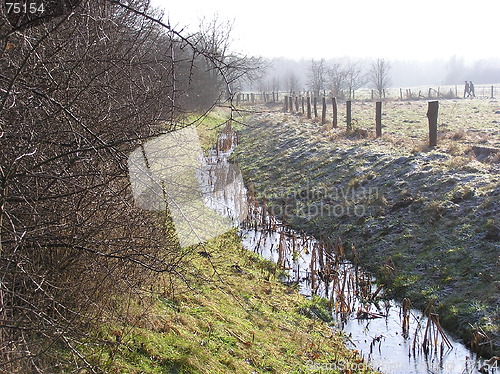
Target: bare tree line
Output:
[(339, 79), (78, 92), (402, 73)]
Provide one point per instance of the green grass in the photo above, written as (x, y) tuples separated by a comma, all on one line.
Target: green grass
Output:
[(210, 124), (237, 320)]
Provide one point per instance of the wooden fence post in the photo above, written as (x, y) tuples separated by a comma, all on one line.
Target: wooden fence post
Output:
[(290, 103), (432, 115), (286, 104), (309, 107), (348, 110), (323, 111), (302, 99), (315, 107), (297, 104), (401, 93), (334, 105), (378, 118)]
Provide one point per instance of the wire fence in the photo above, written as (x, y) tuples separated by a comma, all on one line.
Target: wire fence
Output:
[(481, 91)]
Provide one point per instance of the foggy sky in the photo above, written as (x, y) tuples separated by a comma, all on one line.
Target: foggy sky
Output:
[(423, 30)]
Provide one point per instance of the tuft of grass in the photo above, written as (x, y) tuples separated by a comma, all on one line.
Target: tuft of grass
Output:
[(459, 135), (316, 307)]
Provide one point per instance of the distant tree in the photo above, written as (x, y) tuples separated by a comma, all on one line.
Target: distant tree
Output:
[(456, 71), (379, 76), (275, 87), (354, 77), (337, 80), (275, 84), (292, 81), (317, 76)]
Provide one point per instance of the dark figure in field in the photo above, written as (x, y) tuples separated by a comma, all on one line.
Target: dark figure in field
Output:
[(471, 89), (467, 90)]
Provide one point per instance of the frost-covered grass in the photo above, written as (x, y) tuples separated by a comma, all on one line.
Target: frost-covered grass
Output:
[(424, 220)]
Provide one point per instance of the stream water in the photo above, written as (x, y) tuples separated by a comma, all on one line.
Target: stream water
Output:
[(393, 337), (373, 328)]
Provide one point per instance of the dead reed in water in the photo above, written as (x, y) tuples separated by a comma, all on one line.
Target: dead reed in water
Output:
[(329, 272), (481, 342), (433, 337), (433, 332), (405, 317)]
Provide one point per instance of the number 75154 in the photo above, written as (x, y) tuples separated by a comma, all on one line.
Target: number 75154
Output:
[(31, 7)]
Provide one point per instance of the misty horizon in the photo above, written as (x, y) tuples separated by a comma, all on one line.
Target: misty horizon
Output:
[(403, 73)]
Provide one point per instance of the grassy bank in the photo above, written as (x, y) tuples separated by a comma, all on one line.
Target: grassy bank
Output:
[(222, 311), (424, 220), (227, 315)]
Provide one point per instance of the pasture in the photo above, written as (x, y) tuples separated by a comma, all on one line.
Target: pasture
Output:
[(465, 122)]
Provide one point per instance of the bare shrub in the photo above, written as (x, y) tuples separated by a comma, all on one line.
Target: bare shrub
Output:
[(77, 94)]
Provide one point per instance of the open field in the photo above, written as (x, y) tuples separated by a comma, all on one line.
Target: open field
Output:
[(463, 125), (466, 122)]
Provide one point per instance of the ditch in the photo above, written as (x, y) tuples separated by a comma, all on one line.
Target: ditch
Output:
[(392, 336)]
